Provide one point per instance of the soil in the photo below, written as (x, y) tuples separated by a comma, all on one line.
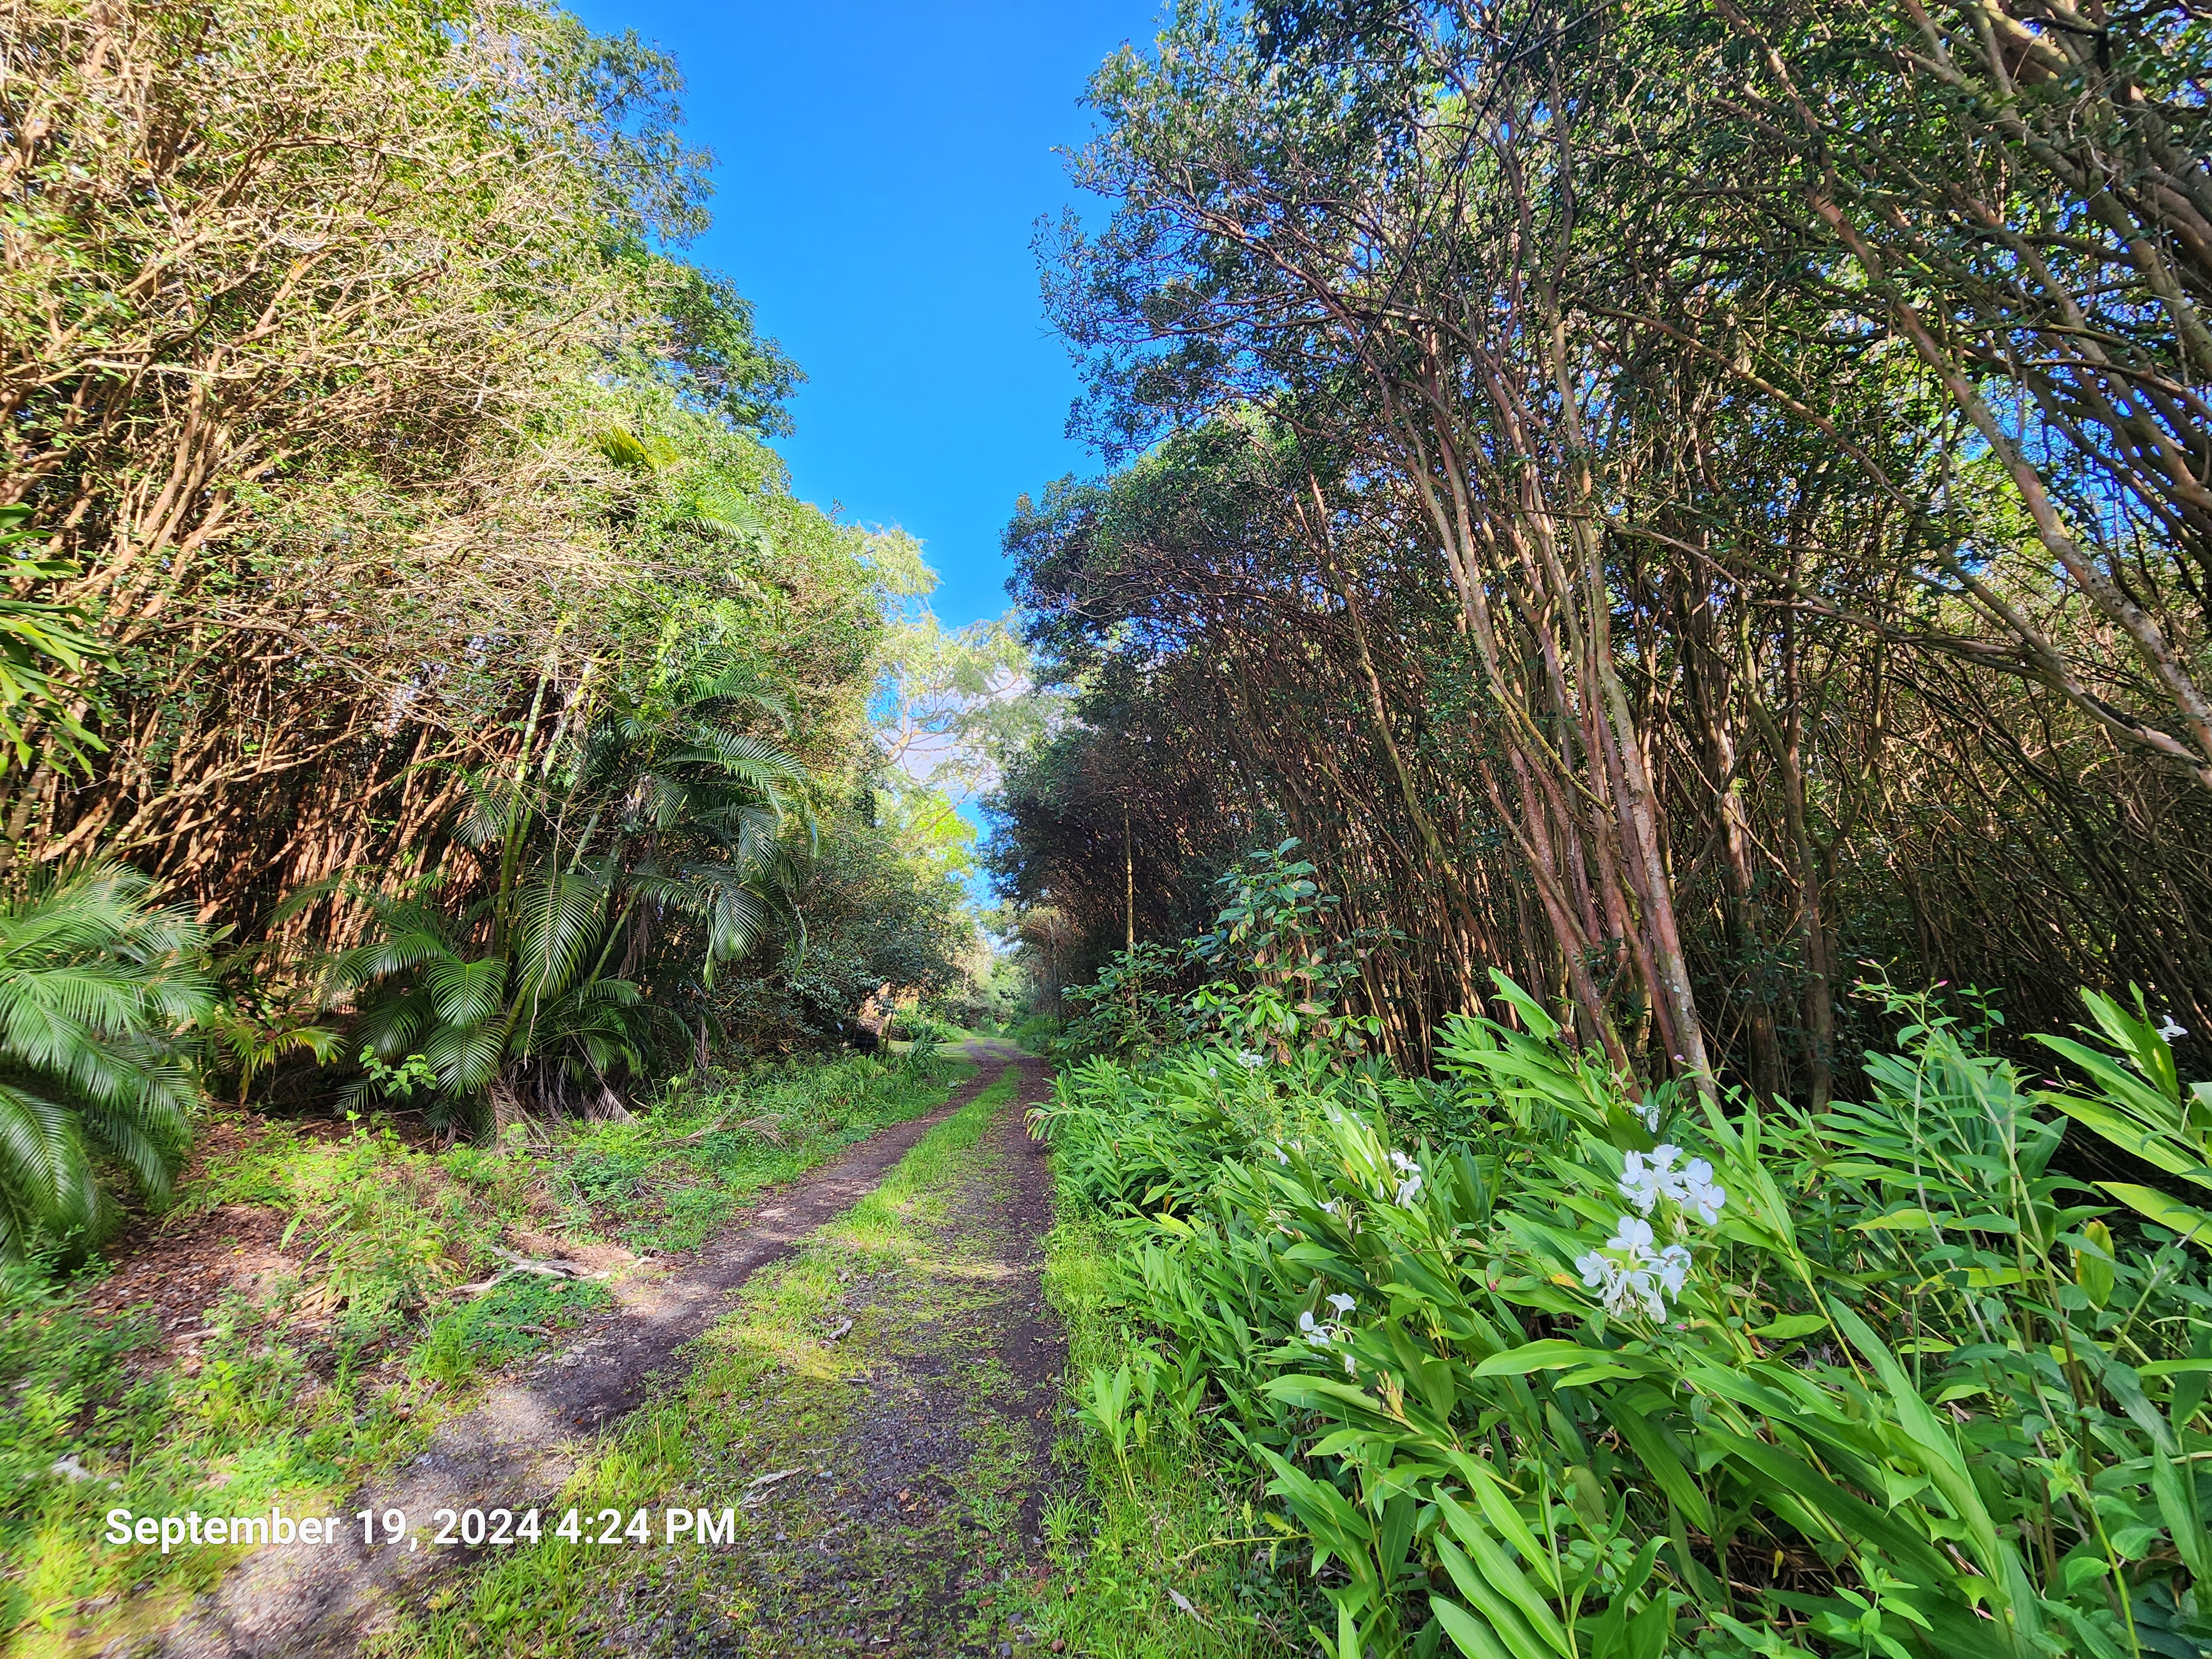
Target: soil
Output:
[(171, 1272), (531, 1432)]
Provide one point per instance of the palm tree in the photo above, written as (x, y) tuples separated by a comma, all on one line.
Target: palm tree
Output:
[(663, 810), (541, 1004), (97, 986)]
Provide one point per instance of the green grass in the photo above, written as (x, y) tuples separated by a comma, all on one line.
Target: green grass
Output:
[(342, 1368), (506, 1323), (1185, 1522), (668, 1182), (767, 1393)]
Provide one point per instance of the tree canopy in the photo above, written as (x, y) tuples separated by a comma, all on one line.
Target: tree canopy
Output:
[(1676, 501)]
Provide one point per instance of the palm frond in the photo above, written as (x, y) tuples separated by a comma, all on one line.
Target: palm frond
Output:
[(563, 921), (394, 953), (390, 1026), (98, 985), (465, 993), (43, 1172), (466, 1059), (740, 755), (148, 1137), (493, 804), (722, 507)]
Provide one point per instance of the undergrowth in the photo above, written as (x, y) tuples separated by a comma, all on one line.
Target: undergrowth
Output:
[(1169, 1553), (386, 1312), (1520, 1364)]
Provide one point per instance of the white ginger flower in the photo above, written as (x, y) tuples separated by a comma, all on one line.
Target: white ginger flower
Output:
[(1626, 1274), (1249, 1061), (1350, 1369), (1407, 1188), (1647, 1178), (1328, 1206), (1622, 1286), (1632, 1238), (1281, 1157), (1699, 1194), (1320, 1333), (1641, 1286), (1652, 1116), (2172, 1028)]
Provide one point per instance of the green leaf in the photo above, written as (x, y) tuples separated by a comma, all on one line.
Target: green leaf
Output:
[(1896, 1219), (1499, 1574), (1658, 1454), (1498, 1612), (1469, 1634), (1552, 1355), (1589, 1374), (1497, 1506), (1792, 1325), (2175, 1489), (2194, 1225)]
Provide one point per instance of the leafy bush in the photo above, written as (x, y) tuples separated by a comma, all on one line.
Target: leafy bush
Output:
[(922, 1029), (1037, 1033), (862, 915), (1279, 979), (96, 983), (1605, 1375), (1130, 1008)]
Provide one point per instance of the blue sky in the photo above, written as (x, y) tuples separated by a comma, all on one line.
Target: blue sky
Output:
[(879, 170)]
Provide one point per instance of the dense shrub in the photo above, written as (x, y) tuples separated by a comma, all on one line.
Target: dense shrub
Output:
[(862, 915), (1537, 1367)]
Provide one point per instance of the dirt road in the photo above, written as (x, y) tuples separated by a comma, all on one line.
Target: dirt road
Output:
[(957, 1291)]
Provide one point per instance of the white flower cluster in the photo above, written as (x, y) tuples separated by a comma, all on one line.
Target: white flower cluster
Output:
[(1634, 1274), (1646, 1179), (1627, 1271), (2172, 1028), (1408, 1186), (1249, 1061), (1321, 1332)]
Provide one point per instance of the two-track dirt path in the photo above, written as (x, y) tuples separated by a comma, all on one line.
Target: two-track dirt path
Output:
[(531, 1434)]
